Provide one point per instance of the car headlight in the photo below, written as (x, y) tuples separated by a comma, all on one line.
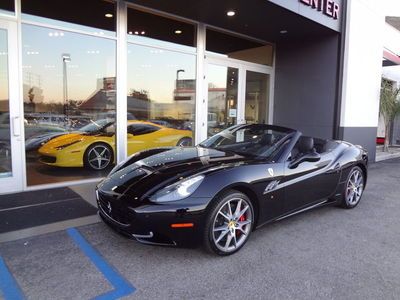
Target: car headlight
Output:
[(179, 190), (67, 145)]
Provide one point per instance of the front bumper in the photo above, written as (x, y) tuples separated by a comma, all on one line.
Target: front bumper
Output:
[(62, 159), (152, 223)]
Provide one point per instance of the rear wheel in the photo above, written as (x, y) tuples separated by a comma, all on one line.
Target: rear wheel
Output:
[(229, 223), (353, 189), (98, 157)]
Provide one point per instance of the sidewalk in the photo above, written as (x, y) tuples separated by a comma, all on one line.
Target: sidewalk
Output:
[(394, 152)]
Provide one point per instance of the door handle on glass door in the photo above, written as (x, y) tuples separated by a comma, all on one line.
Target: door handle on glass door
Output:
[(16, 126)]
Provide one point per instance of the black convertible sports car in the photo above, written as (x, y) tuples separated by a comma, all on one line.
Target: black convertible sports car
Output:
[(237, 180)]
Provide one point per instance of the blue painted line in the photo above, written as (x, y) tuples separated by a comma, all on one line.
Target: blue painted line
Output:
[(121, 285), (8, 285)]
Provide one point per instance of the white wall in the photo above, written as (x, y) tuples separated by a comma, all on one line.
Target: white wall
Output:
[(391, 39), (362, 64), (392, 43)]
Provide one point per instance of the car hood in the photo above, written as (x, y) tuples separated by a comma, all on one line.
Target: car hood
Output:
[(145, 176), (64, 140), (44, 136), (41, 138)]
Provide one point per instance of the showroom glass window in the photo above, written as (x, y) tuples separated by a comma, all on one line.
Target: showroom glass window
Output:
[(238, 48), (161, 80), (68, 88), (7, 7)]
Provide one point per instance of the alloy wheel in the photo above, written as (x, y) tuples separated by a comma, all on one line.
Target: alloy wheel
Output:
[(232, 225), (355, 187), (99, 157)]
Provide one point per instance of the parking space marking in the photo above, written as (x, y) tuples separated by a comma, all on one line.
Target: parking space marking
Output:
[(8, 285), (121, 285)]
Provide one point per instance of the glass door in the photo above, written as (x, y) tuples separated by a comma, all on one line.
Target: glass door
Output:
[(222, 94), (256, 107), (10, 119), (237, 93)]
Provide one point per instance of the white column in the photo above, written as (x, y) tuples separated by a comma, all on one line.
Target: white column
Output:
[(201, 87), (362, 64), (121, 81)]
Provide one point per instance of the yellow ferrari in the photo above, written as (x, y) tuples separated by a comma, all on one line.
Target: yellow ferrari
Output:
[(93, 146)]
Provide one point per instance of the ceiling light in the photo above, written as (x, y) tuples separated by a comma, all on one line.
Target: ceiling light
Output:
[(109, 15), (283, 31), (230, 13), (143, 32), (178, 31), (136, 32), (130, 32)]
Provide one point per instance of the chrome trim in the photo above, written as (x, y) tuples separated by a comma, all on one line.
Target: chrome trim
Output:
[(111, 219), (155, 243), (302, 210), (143, 236)]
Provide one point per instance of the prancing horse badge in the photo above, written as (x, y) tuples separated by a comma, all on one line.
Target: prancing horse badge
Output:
[(271, 171)]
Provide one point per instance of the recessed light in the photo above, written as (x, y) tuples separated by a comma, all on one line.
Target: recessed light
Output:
[(178, 31), (130, 32), (136, 32), (143, 32), (283, 31), (230, 13), (109, 15)]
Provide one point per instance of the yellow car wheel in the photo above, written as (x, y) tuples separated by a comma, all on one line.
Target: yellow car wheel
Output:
[(184, 142), (98, 156)]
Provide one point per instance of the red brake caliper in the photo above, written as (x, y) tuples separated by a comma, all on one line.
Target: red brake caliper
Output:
[(241, 219)]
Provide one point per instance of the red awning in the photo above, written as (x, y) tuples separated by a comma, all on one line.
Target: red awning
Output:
[(390, 56)]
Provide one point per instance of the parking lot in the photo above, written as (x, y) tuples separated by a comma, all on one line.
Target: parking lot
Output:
[(327, 253)]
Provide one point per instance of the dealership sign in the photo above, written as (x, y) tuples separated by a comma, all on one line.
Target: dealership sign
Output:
[(328, 7)]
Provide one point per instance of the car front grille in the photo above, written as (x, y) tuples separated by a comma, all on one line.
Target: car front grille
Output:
[(114, 211), (48, 159)]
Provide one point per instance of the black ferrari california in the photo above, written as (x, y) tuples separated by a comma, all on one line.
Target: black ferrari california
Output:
[(237, 180)]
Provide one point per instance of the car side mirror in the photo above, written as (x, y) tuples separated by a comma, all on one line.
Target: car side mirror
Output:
[(310, 157)]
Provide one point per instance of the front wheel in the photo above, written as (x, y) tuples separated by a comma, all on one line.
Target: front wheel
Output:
[(98, 157), (229, 223), (353, 189)]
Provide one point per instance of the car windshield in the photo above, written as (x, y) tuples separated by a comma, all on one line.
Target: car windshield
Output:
[(95, 126), (256, 140)]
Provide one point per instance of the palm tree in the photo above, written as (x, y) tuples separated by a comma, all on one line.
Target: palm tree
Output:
[(389, 107)]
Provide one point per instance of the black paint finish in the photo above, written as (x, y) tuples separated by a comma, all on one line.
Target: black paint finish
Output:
[(124, 196)]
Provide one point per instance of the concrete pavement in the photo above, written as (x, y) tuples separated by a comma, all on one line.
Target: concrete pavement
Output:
[(327, 253)]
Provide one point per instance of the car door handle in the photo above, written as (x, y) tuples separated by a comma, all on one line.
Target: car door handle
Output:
[(16, 126)]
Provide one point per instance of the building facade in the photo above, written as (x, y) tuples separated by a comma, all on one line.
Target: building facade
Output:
[(84, 84)]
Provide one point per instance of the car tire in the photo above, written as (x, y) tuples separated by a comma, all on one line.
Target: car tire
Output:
[(228, 228), (98, 157), (184, 142), (353, 189)]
